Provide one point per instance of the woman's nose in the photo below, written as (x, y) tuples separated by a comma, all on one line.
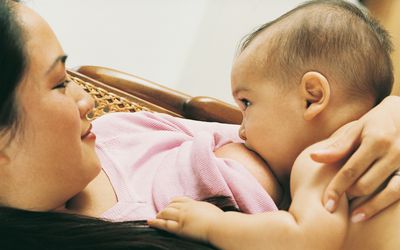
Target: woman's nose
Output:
[(242, 133), (85, 105), (84, 101)]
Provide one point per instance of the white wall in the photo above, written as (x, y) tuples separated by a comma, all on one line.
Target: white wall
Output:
[(188, 45)]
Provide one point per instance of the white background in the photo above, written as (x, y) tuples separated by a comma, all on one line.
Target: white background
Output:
[(188, 45)]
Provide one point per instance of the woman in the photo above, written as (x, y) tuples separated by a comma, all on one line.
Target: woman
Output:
[(43, 126)]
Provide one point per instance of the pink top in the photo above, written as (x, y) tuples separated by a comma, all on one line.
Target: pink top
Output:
[(152, 157)]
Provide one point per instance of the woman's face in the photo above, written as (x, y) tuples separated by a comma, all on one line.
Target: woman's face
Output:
[(49, 160)]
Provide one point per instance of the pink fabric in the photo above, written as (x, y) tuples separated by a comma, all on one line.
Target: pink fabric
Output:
[(151, 158)]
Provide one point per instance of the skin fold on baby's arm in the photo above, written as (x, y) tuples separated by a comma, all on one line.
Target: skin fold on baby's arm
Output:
[(307, 224)]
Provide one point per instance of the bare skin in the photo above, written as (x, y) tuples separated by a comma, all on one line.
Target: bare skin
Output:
[(256, 166), (379, 232)]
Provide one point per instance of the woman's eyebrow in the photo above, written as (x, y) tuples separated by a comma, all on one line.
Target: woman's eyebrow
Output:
[(61, 59)]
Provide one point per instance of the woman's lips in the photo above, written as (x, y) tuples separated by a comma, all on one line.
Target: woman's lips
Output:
[(88, 134)]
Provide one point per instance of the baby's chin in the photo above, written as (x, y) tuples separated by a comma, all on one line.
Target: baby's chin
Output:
[(262, 157), (281, 166), (249, 147)]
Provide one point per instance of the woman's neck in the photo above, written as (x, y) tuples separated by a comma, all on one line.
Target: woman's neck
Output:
[(97, 197)]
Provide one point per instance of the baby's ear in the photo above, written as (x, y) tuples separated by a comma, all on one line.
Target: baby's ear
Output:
[(316, 93)]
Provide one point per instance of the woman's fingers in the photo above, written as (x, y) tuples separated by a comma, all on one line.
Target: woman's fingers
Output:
[(376, 175), (364, 171), (347, 176), (378, 133), (343, 143), (389, 195)]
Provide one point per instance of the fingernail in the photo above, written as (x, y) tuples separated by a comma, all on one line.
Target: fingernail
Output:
[(329, 205), (358, 217)]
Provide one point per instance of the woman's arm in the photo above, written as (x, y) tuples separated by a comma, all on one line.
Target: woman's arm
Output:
[(307, 224)]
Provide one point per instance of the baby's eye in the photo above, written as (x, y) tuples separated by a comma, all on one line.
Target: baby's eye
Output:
[(245, 103)]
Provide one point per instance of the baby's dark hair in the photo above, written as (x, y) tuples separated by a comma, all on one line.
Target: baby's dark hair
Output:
[(335, 38)]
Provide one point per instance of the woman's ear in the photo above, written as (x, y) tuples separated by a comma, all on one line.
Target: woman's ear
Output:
[(4, 159), (316, 92)]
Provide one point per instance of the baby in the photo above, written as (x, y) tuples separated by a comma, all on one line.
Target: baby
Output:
[(297, 80)]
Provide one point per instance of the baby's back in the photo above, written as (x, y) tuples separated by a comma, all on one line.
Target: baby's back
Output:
[(379, 232)]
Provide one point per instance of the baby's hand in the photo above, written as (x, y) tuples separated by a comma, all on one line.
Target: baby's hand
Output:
[(187, 217)]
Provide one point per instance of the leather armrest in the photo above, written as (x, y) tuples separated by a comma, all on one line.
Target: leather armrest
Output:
[(162, 98)]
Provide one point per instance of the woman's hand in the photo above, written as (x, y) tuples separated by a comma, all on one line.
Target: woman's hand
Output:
[(373, 144)]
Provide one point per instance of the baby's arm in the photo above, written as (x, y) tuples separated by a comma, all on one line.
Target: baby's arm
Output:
[(307, 224)]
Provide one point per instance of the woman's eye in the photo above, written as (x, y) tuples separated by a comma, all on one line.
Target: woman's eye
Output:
[(63, 84)]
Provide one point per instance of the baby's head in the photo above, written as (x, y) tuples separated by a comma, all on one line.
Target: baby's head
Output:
[(300, 77)]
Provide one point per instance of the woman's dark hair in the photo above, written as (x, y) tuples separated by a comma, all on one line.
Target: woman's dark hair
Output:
[(12, 65), (21, 229)]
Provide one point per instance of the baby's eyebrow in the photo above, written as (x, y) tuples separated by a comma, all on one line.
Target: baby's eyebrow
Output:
[(62, 59), (239, 89)]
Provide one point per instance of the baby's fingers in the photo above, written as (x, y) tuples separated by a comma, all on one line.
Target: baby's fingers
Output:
[(389, 195), (166, 219), (169, 213), (163, 224), (181, 199)]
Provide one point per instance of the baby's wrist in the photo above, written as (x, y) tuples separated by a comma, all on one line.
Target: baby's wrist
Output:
[(212, 234)]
